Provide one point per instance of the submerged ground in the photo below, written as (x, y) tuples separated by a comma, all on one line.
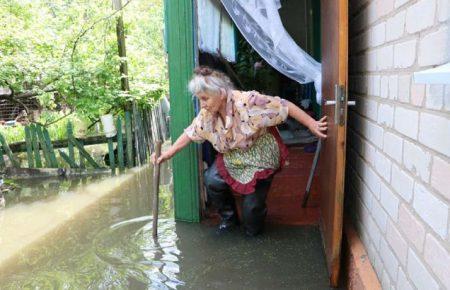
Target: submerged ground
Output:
[(108, 245)]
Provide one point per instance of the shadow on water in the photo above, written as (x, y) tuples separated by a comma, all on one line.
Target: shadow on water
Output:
[(110, 246)]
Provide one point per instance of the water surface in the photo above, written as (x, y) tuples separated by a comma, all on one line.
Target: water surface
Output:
[(109, 245)]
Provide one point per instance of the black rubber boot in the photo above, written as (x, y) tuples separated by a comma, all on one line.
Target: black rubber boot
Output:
[(220, 196), (254, 209)]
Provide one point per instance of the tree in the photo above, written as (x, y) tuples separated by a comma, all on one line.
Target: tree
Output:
[(64, 53)]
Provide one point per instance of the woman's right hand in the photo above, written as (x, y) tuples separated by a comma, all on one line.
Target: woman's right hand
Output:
[(163, 157)]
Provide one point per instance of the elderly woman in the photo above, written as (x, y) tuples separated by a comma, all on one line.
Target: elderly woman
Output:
[(241, 127)]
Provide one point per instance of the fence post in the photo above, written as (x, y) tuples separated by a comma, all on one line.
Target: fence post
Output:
[(120, 145), (40, 134), (83, 152), (129, 136), (29, 145), (2, 161), (112, 162), (67, 158), (51, 152), (34, 141), (8, 151), (70, 145)]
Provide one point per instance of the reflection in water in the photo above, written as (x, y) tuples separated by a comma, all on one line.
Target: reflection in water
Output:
[(110, 246), (29, 190)]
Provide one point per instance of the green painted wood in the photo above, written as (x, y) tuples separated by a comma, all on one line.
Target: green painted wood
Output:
[(70, 145), (45, 151), (120, 156), (8, 151), (180, 42), (2, 160), (67, 158), (141, 138), (51, 152), (112, 162), (83, 152), (29, 145), (129, 136), (34, 141)]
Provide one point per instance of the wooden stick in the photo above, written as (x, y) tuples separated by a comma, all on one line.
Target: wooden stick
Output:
[(156, 189), (311, 173)]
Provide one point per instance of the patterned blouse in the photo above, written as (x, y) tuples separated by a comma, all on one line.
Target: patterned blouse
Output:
[(248, 114)]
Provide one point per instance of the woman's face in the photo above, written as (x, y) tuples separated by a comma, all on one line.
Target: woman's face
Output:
[(212, 102)]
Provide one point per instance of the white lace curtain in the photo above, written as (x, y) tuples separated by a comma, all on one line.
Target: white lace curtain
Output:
[(260, 23)]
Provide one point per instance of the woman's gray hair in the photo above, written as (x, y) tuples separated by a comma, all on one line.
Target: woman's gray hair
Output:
[(209, 81)]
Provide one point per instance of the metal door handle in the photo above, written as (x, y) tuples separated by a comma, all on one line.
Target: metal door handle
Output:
[(331, 103)]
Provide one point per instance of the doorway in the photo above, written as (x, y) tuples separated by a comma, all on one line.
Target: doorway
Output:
[(321, 30)]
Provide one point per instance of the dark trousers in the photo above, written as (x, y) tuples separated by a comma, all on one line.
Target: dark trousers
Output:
[(254, 209)]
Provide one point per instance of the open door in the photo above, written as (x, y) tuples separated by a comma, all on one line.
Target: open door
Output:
[(334, 25)]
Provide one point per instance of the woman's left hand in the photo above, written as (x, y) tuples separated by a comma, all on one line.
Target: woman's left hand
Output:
[(319, 128)]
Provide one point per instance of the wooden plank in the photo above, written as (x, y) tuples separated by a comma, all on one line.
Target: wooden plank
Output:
[(34, 141), (67, 158), (58, 144), (8, 151), (70, 145), (332, 161), (180, 41), (120, 156), (112, 162), (43, 144), (28, 141), (84, 153), (81, 158), (129, 137), (51, 152)]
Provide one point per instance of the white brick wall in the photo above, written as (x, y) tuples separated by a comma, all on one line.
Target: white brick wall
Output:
[(399, 140), (419, 274), (431, 209), (406, 121), (420, 15), (434, 47)]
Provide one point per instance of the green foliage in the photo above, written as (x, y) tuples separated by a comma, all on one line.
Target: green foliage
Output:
[(70, 48)]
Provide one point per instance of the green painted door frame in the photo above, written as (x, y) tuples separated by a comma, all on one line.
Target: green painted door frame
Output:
[(179, 18)]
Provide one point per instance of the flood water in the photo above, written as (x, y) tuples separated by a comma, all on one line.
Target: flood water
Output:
[(108, 244)]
